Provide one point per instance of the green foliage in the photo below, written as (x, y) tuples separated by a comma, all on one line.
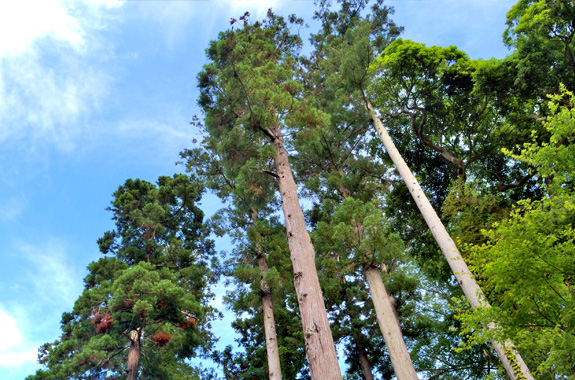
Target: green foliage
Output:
[(554, 159), (156, 281), (471, 208), (357, 233), (542, 33), (526, 265), (250, 91)]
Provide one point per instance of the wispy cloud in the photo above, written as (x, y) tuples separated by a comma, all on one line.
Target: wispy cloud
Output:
[(42, 284), (54, 281), (48, 81), (44, 103), (12, 207)]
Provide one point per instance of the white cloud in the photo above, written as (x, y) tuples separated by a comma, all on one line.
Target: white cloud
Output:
[(23, 22), (17, 359), (49, 79), (14, 349), (11, 333)]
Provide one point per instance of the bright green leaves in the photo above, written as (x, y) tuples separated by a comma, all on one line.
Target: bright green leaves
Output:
[(555, 159), (529, 18), (526, 269), (526, 16), (414, 60), (526, 266)]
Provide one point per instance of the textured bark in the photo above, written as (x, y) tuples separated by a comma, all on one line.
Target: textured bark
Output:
[(134, 355), (506, 352), (387, 317), (389, 326), (364, 363), (320, 349), (272, 349), (274, 367)]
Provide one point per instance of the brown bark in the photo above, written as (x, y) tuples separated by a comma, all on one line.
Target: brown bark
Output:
[(501, 186), (274, 367), (418, 130), (387, 317), (134, 355), (389, 326), (320, 348), (272, 349), (364, 362), (506, 352)]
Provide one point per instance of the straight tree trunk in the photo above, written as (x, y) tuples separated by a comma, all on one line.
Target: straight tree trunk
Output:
[(512, 361), (272, 349), (389, 326), (364, 362), (386, 315), (274, 367), (134, 355), (320, 349)]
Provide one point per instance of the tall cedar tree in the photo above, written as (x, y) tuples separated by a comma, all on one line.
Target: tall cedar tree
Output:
[(337, 163), (144, 310), (541, 35), (342, 161), (251, 199), (351, 54), (256, 65)]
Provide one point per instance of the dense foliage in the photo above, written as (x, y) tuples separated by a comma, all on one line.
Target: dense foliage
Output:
[(151, 289), (490, 141)]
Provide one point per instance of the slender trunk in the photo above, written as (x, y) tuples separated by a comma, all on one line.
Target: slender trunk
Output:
[(389, 326), (387, 317), (274, 367), (272, 349), (320, 349), (134, 355), (364, 362), (512, 361)]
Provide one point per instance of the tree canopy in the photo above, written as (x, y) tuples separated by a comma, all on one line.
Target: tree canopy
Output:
[(337, 235)]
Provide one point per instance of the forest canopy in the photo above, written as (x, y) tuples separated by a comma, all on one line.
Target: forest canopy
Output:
[(396, 210)]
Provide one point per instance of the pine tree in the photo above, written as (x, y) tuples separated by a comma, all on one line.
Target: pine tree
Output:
[(144, 308)]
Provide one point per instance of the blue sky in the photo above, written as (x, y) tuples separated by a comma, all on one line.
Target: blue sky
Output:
[(95, 92)]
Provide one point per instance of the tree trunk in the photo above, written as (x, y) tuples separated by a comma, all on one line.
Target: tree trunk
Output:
[(364, 362), (320, 349), (134, 355), (386, 315), (274, 367), (506, 352), (389, 326)]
